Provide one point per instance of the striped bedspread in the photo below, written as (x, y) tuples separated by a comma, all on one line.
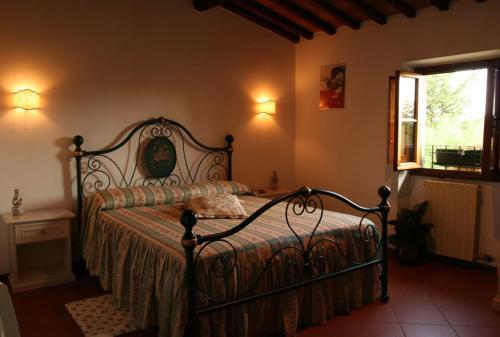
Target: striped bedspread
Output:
[(136, 252)]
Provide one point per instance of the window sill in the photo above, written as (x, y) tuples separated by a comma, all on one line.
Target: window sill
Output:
[(456, 174)]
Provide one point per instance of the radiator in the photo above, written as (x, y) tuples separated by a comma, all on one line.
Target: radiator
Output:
[(452, 209)]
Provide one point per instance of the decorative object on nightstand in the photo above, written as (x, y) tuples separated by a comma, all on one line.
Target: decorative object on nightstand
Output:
[(17, 203), (275, 181), (40, 248)]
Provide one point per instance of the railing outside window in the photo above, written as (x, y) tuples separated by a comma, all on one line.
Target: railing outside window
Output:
[(452, 157)]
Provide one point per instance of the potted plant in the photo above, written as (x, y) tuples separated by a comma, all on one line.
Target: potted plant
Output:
[(410, 238)]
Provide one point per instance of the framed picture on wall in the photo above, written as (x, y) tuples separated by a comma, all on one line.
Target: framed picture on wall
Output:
[(332, 87)]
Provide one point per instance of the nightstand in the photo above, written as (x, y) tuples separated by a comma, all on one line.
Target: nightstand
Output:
[(40, 248), (270, 193)]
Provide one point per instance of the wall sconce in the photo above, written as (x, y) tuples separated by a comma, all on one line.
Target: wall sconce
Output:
[(267, 107), (26, 99)]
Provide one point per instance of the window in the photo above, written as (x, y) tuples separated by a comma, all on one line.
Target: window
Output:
[(443, 120)]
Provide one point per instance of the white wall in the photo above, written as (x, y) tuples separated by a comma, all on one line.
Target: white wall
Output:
[(346, 149), (103, 65)]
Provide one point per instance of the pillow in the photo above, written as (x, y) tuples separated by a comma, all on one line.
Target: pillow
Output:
[(159, 195), (219, 187), (139, 196), (217, 206)]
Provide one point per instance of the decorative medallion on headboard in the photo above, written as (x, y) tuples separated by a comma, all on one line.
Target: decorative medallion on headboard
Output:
[(157, 151), (160, 157)]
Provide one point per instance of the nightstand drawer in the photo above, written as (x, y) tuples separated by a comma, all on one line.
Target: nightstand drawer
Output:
[(41, 231)]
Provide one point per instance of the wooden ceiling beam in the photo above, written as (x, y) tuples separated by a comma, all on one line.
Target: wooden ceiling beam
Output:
[(442, 5), (403, 7), (245, 13), (338, 14), (306, 15), (275, 18), (203, 5), (368, 10)]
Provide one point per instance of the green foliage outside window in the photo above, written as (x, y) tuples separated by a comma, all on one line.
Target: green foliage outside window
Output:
[(454, 112)]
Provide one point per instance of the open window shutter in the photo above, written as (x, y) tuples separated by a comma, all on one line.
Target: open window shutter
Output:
[(408, 106), (392, 118), (495, 138)]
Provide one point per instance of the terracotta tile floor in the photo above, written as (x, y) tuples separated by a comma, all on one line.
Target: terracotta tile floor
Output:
[(431, 300)]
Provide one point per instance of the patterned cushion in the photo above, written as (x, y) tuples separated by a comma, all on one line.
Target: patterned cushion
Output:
[(217, 206), (159, 195), (219, 187)]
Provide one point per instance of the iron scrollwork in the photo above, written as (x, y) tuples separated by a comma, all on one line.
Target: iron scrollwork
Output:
[(195, 162), (311, 255)]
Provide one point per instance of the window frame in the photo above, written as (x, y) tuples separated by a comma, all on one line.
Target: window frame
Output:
[(491, 131)]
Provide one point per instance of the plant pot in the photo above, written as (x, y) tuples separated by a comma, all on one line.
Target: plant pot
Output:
[(410, 255)]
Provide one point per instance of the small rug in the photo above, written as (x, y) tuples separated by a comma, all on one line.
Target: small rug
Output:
[(98, 317)]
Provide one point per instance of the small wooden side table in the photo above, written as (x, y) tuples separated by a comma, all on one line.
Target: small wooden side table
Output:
[(40, 248)]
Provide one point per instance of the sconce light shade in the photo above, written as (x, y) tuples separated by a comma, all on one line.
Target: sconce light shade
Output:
[(267, 107), (27, 99)]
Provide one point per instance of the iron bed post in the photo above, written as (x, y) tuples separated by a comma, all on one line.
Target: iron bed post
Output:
[(229, 149), (189, 242), (384, 192), (78, 153)]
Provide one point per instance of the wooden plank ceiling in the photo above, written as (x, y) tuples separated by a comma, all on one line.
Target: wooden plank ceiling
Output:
[(295, 19)]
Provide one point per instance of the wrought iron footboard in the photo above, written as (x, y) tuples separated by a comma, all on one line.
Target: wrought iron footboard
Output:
[(311, 265)]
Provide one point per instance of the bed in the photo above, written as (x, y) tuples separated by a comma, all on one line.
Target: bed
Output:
[(287, 262)]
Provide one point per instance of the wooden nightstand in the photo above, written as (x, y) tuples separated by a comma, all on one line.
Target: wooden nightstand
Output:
[(40, 248), (270, 193)]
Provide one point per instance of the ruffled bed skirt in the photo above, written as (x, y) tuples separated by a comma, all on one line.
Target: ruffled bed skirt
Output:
[(150, 284)]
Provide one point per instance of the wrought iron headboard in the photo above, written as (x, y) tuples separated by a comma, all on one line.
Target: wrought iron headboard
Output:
[(186, 159)]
